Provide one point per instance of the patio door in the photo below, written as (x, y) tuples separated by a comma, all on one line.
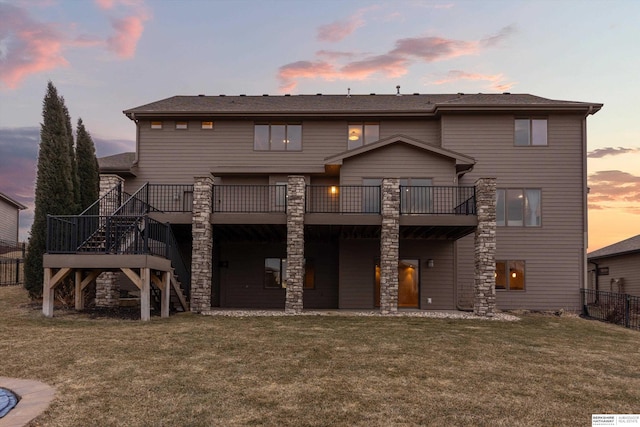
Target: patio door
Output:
[(408, 283)]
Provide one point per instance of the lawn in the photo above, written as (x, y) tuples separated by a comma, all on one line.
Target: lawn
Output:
[(319, 370)]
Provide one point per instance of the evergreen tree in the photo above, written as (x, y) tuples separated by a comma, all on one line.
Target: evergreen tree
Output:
[(88, 171), (75, 208), (54, 185)]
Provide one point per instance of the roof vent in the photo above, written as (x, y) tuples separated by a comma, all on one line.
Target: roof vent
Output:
[(222, 94), (506, 93), (287, 94), (265, 94), (243, 94), (202, 94), (348, 92), (416, 93), (372, 93), (398, 91), (460, 93), (318, 94)]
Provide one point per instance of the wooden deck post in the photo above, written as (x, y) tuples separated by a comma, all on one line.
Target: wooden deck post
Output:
[(79, 295), (145, 294), (47, 294), (166, 294)]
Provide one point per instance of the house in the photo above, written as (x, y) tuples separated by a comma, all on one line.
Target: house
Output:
[(405, 201), (616, 268), (9, 218)]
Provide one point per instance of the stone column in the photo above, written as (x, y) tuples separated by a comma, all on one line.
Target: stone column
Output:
[(389, 245), (107, 287), (202, 234), (295, 244), (485, 248)]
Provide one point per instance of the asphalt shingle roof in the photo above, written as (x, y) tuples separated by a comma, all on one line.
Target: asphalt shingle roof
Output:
[(631, 244), (308, 104)]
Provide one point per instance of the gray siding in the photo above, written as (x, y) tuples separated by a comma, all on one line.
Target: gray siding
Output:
[(425, 130), (357, 272), (554, 252), (8, 222), (398, 161), (626, 267)]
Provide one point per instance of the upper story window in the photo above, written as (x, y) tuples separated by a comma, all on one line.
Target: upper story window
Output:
[(182, 125), (156, 125), (362, 133), (207, 125), (519, 207), (277, 137), (530, 131)]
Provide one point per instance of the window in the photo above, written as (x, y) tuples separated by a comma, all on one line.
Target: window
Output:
[(518, 207), (275, 273), (182, 125), (362, 133), (277, 137), (207, 125), (510, 275), (530, 132), (416, 195), (156, 125)]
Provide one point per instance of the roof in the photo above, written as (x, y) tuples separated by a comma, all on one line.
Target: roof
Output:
[(627, 246), (416, 104), (118, 163), (9, 200)]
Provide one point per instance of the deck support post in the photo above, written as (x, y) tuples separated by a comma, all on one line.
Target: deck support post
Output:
[(78, 291), (47, 294), (484, 303), (296, 187), (165, 293), (145, 294), (389, 245), (202, 248)]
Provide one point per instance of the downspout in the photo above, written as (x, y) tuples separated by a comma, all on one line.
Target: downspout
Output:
[(585, 209), (455, 254)]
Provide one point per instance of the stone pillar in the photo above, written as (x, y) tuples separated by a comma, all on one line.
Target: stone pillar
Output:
[(295, 244), (107, 288), (485, 248), (202, 235), (389, 245)]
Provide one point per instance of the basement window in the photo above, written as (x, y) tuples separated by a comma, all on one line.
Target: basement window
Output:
[(510, 275)]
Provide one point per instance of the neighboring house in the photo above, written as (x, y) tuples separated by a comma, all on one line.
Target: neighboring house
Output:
[(9, 218), (616, 268), (454, 201)]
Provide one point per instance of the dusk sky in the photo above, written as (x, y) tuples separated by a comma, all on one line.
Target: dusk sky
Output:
[(105, 56)]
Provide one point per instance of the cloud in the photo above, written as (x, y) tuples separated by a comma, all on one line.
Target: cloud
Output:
[(394, 63), (128, 32), (614, 189), (611, 151), (496, 80), (338, 30), (28, 46)]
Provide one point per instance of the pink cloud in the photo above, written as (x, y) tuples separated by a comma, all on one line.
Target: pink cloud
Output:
[(496, 80), (613, 188), (30, 46), (338, 30), (394, 63), (128, 32)]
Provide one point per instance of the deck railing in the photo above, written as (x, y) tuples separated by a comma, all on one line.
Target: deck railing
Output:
[(249, 198), (170, 197), (437, 200), (612, 307), (344, 199)]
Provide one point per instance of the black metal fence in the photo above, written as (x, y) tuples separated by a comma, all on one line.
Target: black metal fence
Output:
[(12, 263), (612, 307), (356, 199), (107, 204), (170, 197), (249, 198), (440, 200)]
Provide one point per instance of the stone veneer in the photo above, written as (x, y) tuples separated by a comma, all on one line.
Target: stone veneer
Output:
[(485, 248), (107, 288), (202, 234), (295, 244), (389, 245)]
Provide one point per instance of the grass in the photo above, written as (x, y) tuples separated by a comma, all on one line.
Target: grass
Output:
[(316, 371)]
